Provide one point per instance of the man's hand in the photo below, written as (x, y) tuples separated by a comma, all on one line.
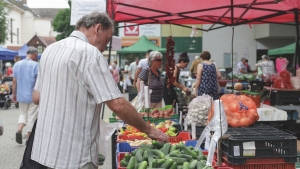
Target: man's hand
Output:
[(157, 134), (14, 98)]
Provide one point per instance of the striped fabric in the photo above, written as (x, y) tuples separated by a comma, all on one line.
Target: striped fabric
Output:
[(73, 81)]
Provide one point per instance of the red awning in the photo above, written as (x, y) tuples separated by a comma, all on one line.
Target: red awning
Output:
[(204, 11)]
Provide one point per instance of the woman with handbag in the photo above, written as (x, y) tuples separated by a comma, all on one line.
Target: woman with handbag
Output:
[(152, 74), (207, 77)]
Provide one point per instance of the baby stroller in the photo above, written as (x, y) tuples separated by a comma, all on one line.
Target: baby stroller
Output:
[(5, 92)]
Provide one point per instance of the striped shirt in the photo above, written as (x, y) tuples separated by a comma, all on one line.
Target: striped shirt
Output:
[(156, 84), (73, 81)]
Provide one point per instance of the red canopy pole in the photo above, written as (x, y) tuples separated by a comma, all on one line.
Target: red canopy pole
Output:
[(296, 57)]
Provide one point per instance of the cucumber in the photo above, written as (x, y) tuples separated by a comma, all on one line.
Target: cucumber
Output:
[(133, 153), (150, 157), (143, 165), (188, 157), (145, 155), (131, 163), (157, 144), (160, 162), (167, 164), (155, 157), (175, 151), (202, 158), (191, 147), (124, 163), (200, 153), (193, 164), (139, 155), (155, 164), (166, 148), (137, 166), (200, 165), (178, 160), (173, 166), (158, 153), (173, 148), (173, 154), (189, 152), (127, 157), (185, 165), (179, 167)]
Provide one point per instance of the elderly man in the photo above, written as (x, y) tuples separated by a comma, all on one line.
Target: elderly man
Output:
[(73, 82), (194, 66), (241, 67), (25, 74)]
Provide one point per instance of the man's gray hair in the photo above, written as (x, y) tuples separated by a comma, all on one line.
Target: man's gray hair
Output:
[(95, 18), (32, 50), (154, 55)]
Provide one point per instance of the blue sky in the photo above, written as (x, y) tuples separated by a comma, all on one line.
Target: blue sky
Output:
[(47, 3)]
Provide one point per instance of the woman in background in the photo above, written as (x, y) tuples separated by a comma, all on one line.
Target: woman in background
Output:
[(207, 77), (169, 93), (115, 73)]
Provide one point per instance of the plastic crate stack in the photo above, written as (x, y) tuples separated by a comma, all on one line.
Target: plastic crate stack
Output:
[(259, 146)]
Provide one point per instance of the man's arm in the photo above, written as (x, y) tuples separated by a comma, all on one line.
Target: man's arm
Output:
[(127, 112), (14, 90), (36, 97)]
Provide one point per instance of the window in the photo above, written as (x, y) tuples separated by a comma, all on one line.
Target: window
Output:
[(40, 49)]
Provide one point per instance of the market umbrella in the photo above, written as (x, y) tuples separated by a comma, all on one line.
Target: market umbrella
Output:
[(141, 46), (6, 54)]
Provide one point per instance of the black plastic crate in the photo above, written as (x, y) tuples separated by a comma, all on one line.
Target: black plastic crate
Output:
[(281, 97), (257, 86), (131, 96), (269, 143)]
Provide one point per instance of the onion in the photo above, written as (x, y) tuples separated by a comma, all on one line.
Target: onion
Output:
[(238, 86), (168, 122)]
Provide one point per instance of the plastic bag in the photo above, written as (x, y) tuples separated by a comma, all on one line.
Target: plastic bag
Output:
[(298, 73), (139, 100), (295, 82), (198, 110), (1, 128), (218, 126), (106, 131)]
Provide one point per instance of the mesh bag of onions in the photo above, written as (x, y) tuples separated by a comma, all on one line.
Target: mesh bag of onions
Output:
[(240, 110), (198, 110)]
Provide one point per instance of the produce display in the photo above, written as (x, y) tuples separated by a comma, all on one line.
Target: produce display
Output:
[(159, 113), (241, 111), (283, 81), (242, 77), (198, 110), (166, 127), (166, 156), (170, 66)]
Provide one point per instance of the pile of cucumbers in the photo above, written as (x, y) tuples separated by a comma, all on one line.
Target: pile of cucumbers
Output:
[(165, 156)]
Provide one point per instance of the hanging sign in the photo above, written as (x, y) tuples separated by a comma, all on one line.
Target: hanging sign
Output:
[(139, 30)]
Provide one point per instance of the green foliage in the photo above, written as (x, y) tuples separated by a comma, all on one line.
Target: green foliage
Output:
[(61, 23), (4, 11)]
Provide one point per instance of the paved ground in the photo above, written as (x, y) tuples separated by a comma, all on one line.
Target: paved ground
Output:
[(11, 153)]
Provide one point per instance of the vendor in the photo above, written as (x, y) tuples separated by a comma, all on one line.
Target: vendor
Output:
[(156, 84), (241, 68), (267, 67), (169, 93)]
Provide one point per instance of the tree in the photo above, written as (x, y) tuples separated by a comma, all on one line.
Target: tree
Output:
[(4, 11), (61, 23)]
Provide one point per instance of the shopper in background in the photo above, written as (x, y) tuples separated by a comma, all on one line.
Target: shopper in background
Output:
[(17, 58), (143, 64), (207, 77), (267, 66), (194, 66), (169, 93), (132, 69), (73, 82), (9, 70), (115, 73), (241, 68), (126, 78), (25, 75), (156, 85)]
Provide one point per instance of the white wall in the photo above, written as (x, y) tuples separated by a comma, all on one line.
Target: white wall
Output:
[(218, 42), (42, 27), (27, 27), (16, 16)]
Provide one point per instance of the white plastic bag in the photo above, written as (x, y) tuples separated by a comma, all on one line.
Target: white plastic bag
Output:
[(139, 100), (295, 82), (1, 128), (198, 110), (219, 129)]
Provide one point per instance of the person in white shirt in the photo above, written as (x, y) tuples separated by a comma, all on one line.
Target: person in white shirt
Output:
[(241, 68), (111, 68), (126, 78), (143, 63), (267, 66), (132, 69)]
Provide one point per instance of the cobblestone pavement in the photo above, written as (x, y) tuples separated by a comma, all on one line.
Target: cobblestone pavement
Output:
[(11, 153)]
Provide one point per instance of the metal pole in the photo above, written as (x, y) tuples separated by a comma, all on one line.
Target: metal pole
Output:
[(296, 56), (113, 18)]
